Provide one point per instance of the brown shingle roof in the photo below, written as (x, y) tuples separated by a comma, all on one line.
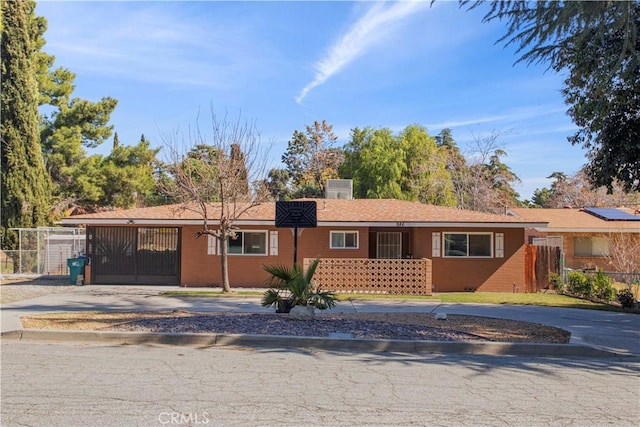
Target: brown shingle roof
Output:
[(574, 220), (328, 211)]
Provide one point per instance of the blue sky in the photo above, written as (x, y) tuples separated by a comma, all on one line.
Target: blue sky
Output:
[(286, 64)]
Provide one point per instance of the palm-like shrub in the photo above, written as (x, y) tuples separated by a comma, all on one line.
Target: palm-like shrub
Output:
[(291, 286)]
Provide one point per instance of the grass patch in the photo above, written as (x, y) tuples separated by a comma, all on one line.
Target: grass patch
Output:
[(210, 294), (544, 300)]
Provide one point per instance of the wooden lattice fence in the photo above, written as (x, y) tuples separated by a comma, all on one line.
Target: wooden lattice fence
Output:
[(388, 276)]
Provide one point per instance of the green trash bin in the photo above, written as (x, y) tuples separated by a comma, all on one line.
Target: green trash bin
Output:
[(76, 267)]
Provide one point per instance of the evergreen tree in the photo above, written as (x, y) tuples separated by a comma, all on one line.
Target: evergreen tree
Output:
[(596, 45), (277, 183), (72, 125), (376, 163), (311, 159), (407, 166), (128, 175), (427, 180), (25, 185)]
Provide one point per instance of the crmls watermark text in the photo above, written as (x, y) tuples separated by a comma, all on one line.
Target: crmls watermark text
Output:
[(179, 418)]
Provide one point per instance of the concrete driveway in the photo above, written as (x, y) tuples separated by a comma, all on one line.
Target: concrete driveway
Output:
[(610, 331)]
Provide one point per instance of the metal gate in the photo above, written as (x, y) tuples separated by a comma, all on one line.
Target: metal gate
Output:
[(134, 255), (389, 245)]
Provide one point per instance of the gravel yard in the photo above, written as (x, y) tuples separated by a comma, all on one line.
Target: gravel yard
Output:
[(405, 326)]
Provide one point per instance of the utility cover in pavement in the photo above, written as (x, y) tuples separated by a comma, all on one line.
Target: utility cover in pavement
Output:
[(300, 214)]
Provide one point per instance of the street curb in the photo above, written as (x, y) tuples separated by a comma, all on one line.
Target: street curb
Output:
[(289, 342)]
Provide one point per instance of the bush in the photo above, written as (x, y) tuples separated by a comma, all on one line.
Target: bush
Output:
[(579, 284), (626, 298), (598, 286), (603, 286), (557, 282)]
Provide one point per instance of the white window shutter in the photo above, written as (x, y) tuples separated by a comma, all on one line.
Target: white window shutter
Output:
[(435, 244), (499, 245), (211, 244), (273, 243)]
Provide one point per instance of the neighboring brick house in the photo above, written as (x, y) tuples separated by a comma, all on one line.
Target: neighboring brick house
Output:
[(465, 250), (584, 235)]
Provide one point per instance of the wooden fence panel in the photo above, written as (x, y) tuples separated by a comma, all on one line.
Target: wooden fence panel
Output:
[(540, 261)]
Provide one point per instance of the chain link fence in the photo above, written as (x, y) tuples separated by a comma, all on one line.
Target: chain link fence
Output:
[(43, 251)]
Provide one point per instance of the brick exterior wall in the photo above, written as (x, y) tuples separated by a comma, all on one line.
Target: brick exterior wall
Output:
[(479, 274), (449, 274), (572, 261)]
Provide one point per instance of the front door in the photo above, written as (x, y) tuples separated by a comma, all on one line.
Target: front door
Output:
[(389, 245)]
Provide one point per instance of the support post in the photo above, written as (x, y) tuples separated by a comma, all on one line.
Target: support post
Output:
[(295, 245)]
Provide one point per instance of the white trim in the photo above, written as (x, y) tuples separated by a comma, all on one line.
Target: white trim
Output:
[(332, 232), (477, 233), (426, 224), (588, 230), (400, 224)]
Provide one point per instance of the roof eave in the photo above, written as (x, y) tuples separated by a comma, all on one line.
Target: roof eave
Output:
[(395, 224), (586, 230)]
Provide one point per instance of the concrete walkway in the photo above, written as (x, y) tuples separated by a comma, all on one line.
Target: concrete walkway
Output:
[(617, 333)]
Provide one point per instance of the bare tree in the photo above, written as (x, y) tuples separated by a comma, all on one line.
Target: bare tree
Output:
[(219, 176), (485, 184), (576, 191), (624, 252)]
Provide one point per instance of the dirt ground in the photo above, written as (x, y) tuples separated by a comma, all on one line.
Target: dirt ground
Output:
[(361, 325)]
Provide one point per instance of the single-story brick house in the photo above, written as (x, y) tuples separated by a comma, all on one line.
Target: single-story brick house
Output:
[(462, 250), (584, 235)]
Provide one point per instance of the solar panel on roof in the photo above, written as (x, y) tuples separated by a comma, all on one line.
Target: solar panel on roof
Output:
[(612, 214)]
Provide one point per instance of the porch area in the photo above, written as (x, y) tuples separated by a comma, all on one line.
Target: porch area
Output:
[(380, 276)]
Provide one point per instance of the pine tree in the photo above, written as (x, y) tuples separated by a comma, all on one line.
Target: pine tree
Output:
[(25, 184)]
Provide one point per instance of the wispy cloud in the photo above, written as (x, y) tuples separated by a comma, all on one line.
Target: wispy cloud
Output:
[(158, 42), (509, 117), (370, 29), (467, 122)]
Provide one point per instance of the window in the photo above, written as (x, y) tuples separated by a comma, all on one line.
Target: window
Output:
[(590, 246), (344, 240), (248, 243), (467, 245)]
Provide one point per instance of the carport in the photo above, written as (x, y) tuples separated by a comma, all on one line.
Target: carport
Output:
[(134, 255)]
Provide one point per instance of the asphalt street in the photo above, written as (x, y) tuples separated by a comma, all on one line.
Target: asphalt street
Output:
[(66, 384), (618, 333), (82, 383)]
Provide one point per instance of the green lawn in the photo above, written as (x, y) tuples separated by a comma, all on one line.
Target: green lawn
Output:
[(233, 293), (547, 300)]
